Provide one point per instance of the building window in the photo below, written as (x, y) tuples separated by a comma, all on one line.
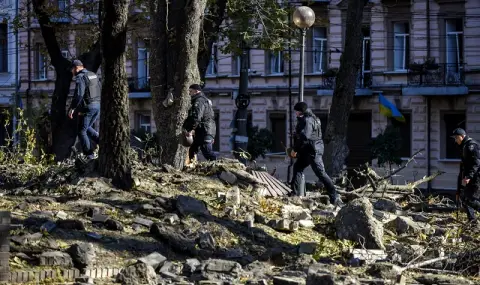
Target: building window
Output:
[(237, 63), (212, 68), (319, 49), (143, 70), (276, 62), (3, 48), (143, 122), (366, 59), (65, 54), (405, 131), (216, 143), (40, 63), (62, 7), (90, 7), (454, 50), (451, 121), (401, 46), (278, 126)]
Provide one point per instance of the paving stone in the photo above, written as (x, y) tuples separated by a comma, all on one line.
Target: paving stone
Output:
[(144, 222), (55, 258), (277, 280), (154, 259)]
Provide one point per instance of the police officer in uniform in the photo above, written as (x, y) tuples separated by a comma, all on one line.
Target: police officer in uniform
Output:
[(308, 149), (86, 101), (469, 176), (200, 124)]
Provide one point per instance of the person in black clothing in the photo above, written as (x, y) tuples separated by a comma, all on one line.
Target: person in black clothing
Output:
[(308, 149), (200, 124), (469, 176), (86, 102)]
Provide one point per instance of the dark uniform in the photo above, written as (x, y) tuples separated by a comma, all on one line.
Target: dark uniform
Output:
[(469, 169), (86, 100), (201, 119), (309, 148)]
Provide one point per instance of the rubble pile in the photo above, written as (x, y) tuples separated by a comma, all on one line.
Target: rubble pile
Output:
[(209, 225)]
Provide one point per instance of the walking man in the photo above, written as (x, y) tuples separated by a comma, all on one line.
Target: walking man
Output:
[(200, 124), (469, 176), (308, 149), (86, 102)]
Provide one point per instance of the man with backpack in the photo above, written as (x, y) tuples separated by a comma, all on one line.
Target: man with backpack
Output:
[(86, 102), (200, 124), (308, 150)]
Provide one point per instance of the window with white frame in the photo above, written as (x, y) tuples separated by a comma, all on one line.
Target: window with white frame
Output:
[(319, 42), (276, 62), (65, 53), (144, 122), (3, 48), (237, 63), (143, 70), (401, 45), (366, 57), (212, 64), (40, 63), (62, 7), (454, 44)]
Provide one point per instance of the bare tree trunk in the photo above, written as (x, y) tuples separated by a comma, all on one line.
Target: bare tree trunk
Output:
[(63, 129), (114, 158), (174, 62), (336, 149)]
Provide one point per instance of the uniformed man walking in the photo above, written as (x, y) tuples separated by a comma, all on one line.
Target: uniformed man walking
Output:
[(308, 149), (200, 124), (469, 176), (86, 101)]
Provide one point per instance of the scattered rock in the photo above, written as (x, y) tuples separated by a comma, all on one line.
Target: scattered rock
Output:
[(171, 218), (139, 273), (187, 205), (113, 225), (279, 280), (307, 247), (386, 205), (319, 275), (404, 225), (71, 225), (206, 241), (154, 260), (383, 270), (55, 258), (222, 266), (355, 222), (306, 224), (144, 222), (228, 177), (99, 218), (191, 265), (436, 279), (83, 254)]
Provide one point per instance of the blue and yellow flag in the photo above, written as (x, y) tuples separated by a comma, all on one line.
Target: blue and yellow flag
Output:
[(388, 109)]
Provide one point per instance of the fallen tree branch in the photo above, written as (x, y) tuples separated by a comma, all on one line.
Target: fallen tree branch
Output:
[(393, 173)]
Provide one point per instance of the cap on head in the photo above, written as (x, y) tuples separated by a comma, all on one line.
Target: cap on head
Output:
[(459, 132), (195, 87), (76, 63), (301, 107)]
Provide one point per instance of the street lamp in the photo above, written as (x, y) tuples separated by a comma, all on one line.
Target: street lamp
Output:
[(303, 17)]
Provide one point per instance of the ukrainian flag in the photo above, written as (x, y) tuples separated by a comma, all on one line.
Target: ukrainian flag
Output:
[(388, 109)]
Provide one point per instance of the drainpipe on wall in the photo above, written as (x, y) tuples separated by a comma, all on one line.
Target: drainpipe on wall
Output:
[(29, 40), (429, 107), (289, 170)]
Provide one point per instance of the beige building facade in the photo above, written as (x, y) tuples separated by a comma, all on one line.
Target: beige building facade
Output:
[(396, 33)]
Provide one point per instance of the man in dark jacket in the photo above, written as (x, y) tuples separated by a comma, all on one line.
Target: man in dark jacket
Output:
[(308, 149), (469, 176), (86, 101), (201, 124)]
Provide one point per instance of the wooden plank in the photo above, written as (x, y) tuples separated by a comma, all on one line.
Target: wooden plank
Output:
[(271, 186), (4, 246), (267, 186), (279, 184)]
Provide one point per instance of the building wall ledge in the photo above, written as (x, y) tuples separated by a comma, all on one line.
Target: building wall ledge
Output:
[(435, 91)]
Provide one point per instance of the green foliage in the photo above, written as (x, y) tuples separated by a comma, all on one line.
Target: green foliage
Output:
[(387, 145), (259, 23), (260, 141), (24, 150)]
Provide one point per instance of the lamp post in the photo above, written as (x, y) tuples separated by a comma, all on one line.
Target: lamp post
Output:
[(303, 17)]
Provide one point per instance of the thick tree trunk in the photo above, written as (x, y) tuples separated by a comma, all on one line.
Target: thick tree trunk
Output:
[(63, 129), (114, 158), (336, 149), (174, 62)]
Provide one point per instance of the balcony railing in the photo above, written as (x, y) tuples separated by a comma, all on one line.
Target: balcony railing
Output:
[(436, 75), (139, 84), (364, 80)]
